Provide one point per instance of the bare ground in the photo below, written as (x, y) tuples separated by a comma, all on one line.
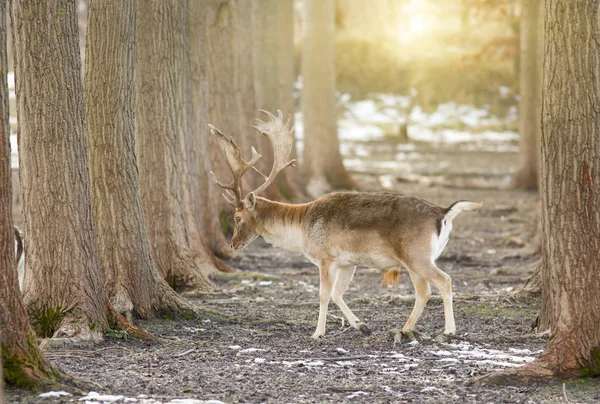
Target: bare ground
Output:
[(253, 344)]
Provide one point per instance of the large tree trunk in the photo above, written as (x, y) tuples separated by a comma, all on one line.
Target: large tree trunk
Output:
[(63, 289), (204, 206), (133, 283), (160, 106), (19, 353), (273, 45), (322, 162), (530, 102), (570, 186)]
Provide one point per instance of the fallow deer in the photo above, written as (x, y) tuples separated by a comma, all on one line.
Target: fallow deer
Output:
[(342, 230)]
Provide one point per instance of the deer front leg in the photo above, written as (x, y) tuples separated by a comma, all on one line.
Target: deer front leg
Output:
[(343, 278), (326, 269)]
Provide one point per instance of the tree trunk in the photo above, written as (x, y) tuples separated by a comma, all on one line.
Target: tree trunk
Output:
[(274, 74), (19, 353), (230, 78), (159, 124), (530, 102), (322, 162), (133, 283), (570, 185), (205, 198), (63, 288)]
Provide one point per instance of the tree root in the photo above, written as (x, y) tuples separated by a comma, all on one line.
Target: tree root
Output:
[(119, 322), (221, 266)]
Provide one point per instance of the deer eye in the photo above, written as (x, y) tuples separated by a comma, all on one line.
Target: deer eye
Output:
[(238, 219)]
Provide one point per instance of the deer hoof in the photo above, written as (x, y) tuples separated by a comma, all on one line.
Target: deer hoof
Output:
[(366, 331), (407, 336), (449, 338)]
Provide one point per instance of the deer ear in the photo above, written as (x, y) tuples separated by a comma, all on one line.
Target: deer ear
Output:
[(250, 201)]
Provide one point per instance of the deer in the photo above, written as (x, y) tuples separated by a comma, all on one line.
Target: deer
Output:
[(342, 230)]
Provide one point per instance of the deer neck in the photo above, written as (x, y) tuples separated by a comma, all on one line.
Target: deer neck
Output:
[(281, 223)]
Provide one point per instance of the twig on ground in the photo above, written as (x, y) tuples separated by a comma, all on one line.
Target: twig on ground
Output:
[(342, 319), (565, 394), (345, 330), (184, 353)]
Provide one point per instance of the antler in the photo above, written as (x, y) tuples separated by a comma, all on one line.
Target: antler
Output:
[(280, 136), (236, 164)]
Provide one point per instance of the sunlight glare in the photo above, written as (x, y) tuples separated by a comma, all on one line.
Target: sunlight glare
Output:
[(418, 20)]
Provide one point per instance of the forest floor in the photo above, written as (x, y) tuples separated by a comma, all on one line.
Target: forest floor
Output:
[(256, 345)]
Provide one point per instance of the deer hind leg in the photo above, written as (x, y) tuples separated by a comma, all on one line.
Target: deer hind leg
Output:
[(441, 280), (422, 295), (343, 278), (326, 270)]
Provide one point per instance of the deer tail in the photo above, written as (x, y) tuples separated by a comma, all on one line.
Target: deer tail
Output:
[(391, 278)]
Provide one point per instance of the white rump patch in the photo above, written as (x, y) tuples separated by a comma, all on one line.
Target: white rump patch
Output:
[(439, 242)]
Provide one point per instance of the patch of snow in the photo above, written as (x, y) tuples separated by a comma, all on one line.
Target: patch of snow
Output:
[(341, 350), (193, 330), (104, 398), (234, 347), (250, 350), (425, 134), (193, 401), (246, 281), (428, 389), (415, 342), (441, 353), (358, 394), (260, 360), (522, 351), (54, 393), (265, 283), (355, 131)]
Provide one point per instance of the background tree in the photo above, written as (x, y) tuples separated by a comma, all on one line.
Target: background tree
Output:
[(530, 102), (322, 162), (159, 124), (63, 289), (273, 59), (132, 281), (231, 94), (206, 205), (570, 182)]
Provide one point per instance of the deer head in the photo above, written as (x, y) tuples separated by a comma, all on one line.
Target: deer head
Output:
[(281, 138)]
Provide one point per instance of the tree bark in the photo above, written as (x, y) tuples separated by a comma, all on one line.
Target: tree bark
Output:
[(530, 102), (570, 185), (205, 198), (63, 290), (274, 75), (133, 282), (322, 162), (159, 124), (19, 353)]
